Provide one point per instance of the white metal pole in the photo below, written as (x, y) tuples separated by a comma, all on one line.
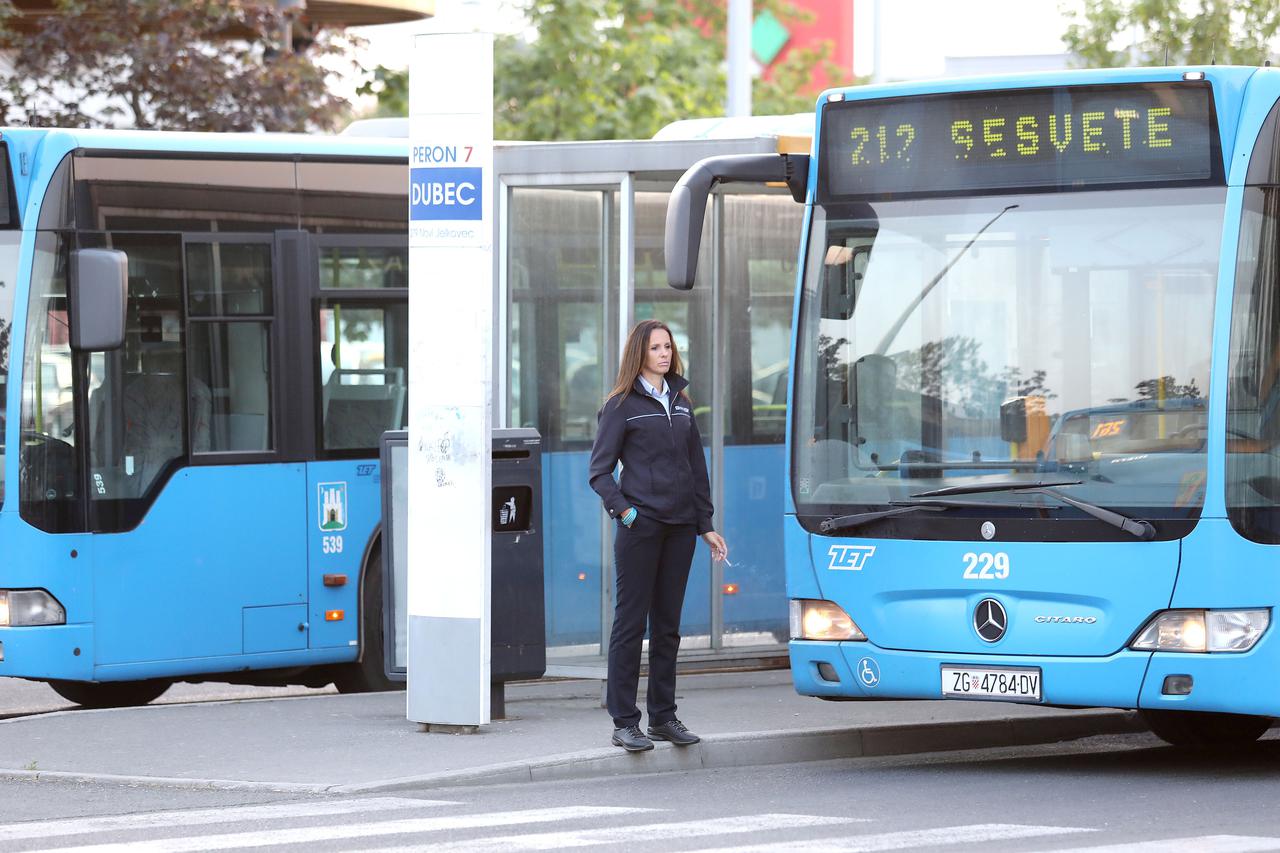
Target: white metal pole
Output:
[(739, 35), (450, 405)]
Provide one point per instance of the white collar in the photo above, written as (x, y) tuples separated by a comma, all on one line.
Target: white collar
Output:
[(654, 392)]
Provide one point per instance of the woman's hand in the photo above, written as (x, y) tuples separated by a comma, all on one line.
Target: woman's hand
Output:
[(719, 550)]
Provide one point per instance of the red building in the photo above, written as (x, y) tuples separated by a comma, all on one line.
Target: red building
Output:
[(772, 40)]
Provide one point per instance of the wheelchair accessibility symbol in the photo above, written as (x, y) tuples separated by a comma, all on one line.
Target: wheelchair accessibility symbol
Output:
[(868, 672)]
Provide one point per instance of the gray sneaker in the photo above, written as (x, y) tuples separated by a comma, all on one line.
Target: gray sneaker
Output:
[(631, 739)]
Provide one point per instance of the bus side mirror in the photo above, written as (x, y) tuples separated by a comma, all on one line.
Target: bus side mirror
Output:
[(688, 203), (97, 291)]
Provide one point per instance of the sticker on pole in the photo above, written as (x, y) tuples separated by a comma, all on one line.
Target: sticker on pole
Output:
[(446, 193)]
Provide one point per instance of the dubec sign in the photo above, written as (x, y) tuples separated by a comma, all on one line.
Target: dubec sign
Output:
[(447, 184)]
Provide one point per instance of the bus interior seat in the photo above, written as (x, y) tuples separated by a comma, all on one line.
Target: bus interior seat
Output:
[(356, 412)]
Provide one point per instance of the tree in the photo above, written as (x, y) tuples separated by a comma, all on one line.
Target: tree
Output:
[(621, 69), (165, 65), (1172, 32)]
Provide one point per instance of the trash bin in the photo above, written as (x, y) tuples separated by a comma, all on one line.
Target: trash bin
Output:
[(517, 623), (516, 591)]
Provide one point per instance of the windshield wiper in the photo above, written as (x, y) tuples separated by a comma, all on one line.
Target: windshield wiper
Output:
[(1143, 530), (848, 522)]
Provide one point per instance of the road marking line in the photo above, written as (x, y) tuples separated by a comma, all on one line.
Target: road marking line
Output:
[(617, 834), (339, 832), (204, 817), (972, 834), (1200, 844)]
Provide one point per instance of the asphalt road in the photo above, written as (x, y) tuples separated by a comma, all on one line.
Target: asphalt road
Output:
[(18, 696), (1102, 794)]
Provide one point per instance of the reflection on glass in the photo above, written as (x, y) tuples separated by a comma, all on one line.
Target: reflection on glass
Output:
[(949, 339), (347, 267), (9, 241), (232, 361), (49, 467), (1253, 383)]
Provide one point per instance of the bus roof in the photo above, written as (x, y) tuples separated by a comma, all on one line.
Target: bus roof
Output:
[(269, 144)]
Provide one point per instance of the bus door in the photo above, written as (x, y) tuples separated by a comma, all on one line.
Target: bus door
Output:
[(359, 319), (199, 505)]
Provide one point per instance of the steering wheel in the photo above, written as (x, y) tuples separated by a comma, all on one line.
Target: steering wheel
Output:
[(47, 467)]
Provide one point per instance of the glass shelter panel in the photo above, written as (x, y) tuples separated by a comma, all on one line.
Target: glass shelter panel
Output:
[(559, 270), (761, 236), (688, 314)]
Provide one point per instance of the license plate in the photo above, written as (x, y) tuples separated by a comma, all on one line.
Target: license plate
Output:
[(1013, 683)]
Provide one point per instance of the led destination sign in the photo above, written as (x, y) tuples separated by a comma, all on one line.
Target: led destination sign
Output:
[(1073, 137)]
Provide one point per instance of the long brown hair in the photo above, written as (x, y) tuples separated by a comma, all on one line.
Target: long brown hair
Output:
[(633, 355)]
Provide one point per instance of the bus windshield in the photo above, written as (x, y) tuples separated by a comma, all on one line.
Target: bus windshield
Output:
[(948, 341), (9, 242)]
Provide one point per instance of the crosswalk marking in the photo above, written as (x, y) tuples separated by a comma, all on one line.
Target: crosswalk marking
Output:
[(972, 834), (1200, 844), (669, 832), (314, 834), (205, 817)]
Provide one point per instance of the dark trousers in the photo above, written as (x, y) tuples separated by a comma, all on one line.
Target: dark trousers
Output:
[(652, 564)]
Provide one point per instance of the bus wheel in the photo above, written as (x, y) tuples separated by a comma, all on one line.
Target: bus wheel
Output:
[(110, 694), (1200, 729), (367, 675)]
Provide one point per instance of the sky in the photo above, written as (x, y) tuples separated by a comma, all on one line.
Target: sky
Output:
[(973, 28)]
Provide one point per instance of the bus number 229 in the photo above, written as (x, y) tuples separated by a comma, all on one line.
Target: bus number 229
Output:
[(986, 566)]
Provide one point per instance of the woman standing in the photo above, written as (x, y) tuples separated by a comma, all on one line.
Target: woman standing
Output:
[(661, 504)]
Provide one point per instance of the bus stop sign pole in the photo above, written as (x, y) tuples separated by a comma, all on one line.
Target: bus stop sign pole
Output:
[(450, 330)]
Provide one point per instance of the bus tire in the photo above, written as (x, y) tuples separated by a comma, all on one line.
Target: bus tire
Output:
[(110, 694), (367, 675), (1203, 729)]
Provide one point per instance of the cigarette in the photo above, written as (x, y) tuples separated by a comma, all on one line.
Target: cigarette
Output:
[(727, 563)]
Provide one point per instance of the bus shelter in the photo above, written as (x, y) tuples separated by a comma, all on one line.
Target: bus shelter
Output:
[(579, 260)]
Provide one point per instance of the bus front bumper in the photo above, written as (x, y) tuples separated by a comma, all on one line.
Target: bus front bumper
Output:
[(49, 651), (863, 670)]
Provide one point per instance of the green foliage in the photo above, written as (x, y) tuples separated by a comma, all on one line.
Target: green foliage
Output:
[(621, 69), (1225, 32), (392, 90), (166, 65)]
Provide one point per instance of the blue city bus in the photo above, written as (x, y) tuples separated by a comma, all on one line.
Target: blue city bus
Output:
[(1033, 440), (202, 338)]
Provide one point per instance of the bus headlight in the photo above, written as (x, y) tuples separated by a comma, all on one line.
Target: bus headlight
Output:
[(1202, 631), (24, 607), (821, 620)]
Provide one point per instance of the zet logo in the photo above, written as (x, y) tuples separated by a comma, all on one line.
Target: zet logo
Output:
[(850, 557), (333, 507)]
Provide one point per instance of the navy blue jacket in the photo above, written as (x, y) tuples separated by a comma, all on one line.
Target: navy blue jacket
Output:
[(664, 474)]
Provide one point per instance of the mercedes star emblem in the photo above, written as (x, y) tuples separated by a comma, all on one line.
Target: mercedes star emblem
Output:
[(989, 620), (988, 530)]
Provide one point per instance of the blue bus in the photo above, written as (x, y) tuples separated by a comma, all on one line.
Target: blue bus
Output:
[(202, 338), (1033, 439)]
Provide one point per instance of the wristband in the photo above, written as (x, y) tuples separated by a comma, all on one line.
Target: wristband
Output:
[(629, 516)]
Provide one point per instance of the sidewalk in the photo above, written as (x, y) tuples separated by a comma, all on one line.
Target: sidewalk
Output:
[(363, 743)]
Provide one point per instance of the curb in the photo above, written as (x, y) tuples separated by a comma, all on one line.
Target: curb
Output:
[(751, 749), (785, 746), (165, 782)]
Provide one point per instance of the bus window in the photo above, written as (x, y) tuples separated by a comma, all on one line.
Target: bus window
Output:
[(137, 393), (364, 370), (231, 359), (49, 470)]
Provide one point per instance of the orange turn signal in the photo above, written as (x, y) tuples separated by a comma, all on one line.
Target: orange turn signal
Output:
[(582, 576), (730, 589), (334, 615)]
